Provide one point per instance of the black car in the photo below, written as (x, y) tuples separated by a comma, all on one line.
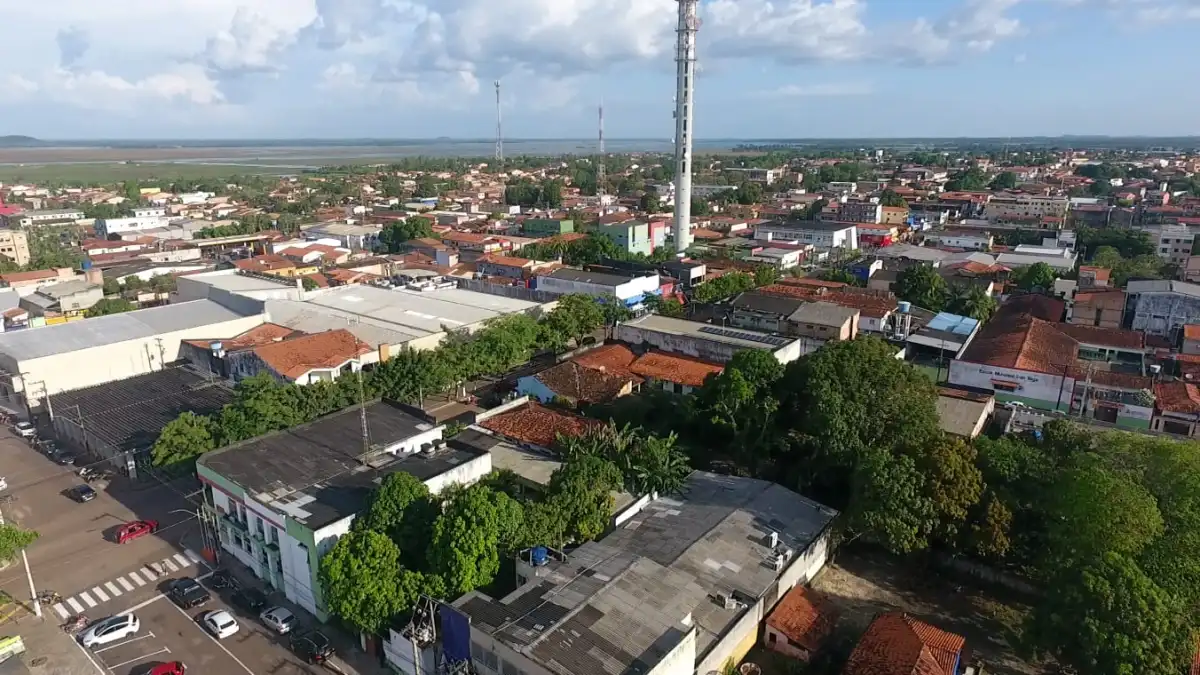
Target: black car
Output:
[(251, 600), (63, 458), (313, 646), (83, 493), (188, 593)]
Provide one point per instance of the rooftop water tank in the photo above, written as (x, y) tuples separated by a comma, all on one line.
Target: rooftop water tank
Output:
[(904, 307)]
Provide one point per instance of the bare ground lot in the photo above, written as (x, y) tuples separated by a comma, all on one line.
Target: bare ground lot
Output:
[(863, 584)]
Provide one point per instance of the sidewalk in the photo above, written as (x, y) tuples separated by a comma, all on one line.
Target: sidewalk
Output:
[(48, 650)]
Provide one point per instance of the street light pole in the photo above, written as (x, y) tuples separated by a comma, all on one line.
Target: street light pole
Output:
[(37, 605)]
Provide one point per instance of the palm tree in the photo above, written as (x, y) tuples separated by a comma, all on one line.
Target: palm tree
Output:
[(656, 465), (972, 301)]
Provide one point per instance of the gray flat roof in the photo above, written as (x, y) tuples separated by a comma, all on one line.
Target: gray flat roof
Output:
[(823, 313), (808, 225), (313, 472), (533, 467), (419, 312), (618, 605), (738, 337), (586, 277), (312, 318), (36, 343), (235, 282)]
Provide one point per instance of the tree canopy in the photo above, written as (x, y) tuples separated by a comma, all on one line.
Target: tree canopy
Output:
[(922, 286)]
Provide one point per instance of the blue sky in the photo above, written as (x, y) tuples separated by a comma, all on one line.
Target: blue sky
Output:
[(769, 68)]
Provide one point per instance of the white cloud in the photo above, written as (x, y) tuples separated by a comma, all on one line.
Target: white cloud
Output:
[(829, 89), (98, 90), (254, 42)]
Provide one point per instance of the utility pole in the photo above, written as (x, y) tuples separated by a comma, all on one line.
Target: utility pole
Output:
[(499, 129), (33, 597), (685, 81), (601, 170)]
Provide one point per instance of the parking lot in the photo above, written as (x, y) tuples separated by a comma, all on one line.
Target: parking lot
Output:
[(170, 633)]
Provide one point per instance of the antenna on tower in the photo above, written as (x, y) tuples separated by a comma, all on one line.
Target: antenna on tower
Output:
[(601, 171), (499, 128), (685, 80)]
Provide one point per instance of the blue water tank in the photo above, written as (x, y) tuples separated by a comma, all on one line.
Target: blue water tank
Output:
[(904, 307), (87, 264), (539, 556)]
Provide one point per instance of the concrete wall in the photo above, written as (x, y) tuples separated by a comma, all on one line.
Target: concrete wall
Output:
[(1038, 390), (463, 474)]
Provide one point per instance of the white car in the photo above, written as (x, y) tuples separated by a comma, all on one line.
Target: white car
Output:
[(25, 429), (278, 619), (220, 623), (3, 483), (110, 630)]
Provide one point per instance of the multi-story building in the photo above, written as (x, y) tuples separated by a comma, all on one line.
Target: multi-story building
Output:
[(856, 212), (819, 234), (629, 289), (107, 226), (970, 239), (823, 321), (753, 175), (1161, 307), (1175, 244), (1002, 209), (43, 218), (14, 245), (893, 215), (547, 227), (1099, 306), (631, 236)]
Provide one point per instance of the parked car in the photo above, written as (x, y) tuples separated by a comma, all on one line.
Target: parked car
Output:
[(63, 458), (3, 483), (25, 430), (172, 668), (110, 630), (313, 647), (136, 529), (220, 623), (251, 600), (83, 493), (279, 619), (188, 593)]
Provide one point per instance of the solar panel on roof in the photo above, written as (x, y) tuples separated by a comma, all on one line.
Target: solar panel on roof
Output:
[(743, 335)]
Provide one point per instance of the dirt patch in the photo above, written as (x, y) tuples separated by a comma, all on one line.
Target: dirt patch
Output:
[(862, 585)]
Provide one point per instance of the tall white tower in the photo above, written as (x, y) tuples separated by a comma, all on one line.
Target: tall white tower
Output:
[(499, 128), (601, 170), (685, 82)]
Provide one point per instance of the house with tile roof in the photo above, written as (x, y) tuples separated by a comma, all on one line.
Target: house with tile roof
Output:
[(304, 359), (1176, 408), (799, 624), (899, 644)]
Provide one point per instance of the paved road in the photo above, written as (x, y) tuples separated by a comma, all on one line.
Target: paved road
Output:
[(75, 551)]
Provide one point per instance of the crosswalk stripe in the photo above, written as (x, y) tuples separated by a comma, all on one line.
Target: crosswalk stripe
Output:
[(149, 573), (192, 555), (169, 565), (136, 579), (183, 562), (62, 611), (124, 583), (100, 594), (75, 605), (87, 598), (112, 588)]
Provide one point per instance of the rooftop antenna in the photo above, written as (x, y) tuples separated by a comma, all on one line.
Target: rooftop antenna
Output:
[(685, 80), (600, 168), (362, 414), (499, 129)]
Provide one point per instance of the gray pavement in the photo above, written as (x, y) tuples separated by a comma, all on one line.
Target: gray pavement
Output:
[(50, 651)]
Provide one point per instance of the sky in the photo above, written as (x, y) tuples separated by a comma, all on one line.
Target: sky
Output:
[(212, 69)]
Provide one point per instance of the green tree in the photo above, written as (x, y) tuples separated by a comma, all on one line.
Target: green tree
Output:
[(972, 301), (360, 579), (656, 465), (1036, 276), (182, 440), (467, 538), (1005, 180), (108, 306), (396, 234), (579, 504), (427, 188), (308, 283), (888, 503), (261, 405), (889, 198), (972, 179), (765, 276), (403, 509), (574, 317), (700, 207), (649, 203), (13, 540), (922, 286), (1109, 617), (1093, 510)]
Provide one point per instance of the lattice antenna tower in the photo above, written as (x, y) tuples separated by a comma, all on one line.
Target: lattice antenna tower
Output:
[(685, 81), (499, 128), (601, 170)]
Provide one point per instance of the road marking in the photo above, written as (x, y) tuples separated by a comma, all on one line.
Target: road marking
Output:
[(75, 605), (112, 589), (169, 565), (62, 611), (215, 641), (183, 562), (192, 556), (89, 657), (125, 584), (140, 605), (127, 642), (87, 598), (138, 580), (149, 573), (164, 650), (100, 594)]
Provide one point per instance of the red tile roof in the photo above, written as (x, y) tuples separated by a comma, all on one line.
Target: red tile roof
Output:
[(259, 335), (264, 263), (1105, 337), (1022, 342), (1191, 331), (536, 424), (898, 644), (803, 617), (615, 357), (675, 368), (297, 356), (1177, 397), (1100, 273), (580, 383)]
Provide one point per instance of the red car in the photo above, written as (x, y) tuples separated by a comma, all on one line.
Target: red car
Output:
[(173, 668), (138, 528)]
